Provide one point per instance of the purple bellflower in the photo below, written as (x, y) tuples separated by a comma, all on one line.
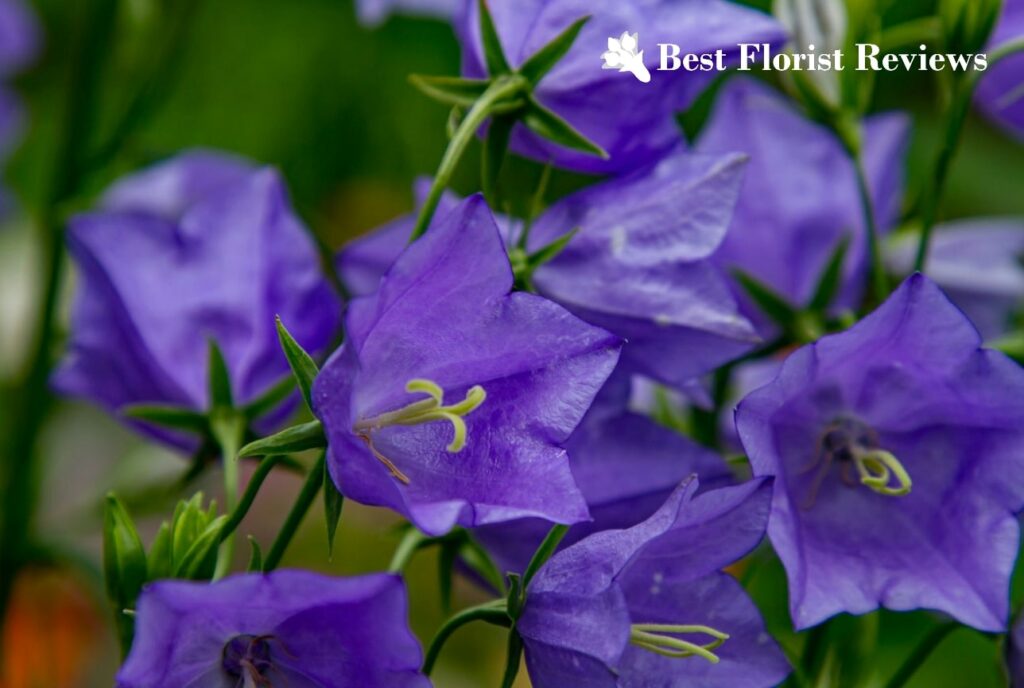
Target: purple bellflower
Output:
[(896, 451), (451, 398), (799, 197), (632, 121), (626, 466), (638, 266), (649, 605), (288, 628), (1001, 92), (977, 262), (201, 247)]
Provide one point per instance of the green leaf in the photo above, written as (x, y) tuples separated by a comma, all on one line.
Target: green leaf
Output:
[(494, 55), (768, 300), (219, 378), (172, 417), (270, 399), (454, 120), (256, 558), (828, 283), (200, 560), (445, 573), (495, 147), (333, 502), (124, 559), (290, 440), (303, 366), (547, 124), (479, 560), (547, 253), (542, 61), (450, 90)]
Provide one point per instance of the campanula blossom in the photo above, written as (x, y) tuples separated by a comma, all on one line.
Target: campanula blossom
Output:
[(639, 264), (374, 12), (626, 466), (451, 398), (999, 92), (799, 197), (977, 262), (633, 122), (896, 451), (649, 605), (201, 247), (289, 628)]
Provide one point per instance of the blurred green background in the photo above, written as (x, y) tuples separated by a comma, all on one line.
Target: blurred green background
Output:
[(300, 85)]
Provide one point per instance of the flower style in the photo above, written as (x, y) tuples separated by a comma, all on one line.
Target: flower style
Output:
[(201, 247), (1001, 92), (978, 264), (649, 605), (639, 264), (799, 197), (290, 628), (451, 397), (626, 466), (633, 121), (895, 448)]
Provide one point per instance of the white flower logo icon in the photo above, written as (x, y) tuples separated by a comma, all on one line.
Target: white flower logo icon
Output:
[(622, 55)]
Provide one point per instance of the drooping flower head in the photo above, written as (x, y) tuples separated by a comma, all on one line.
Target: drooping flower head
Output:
[(1001, 91), (631, 120), (626, 466), (289, 628), (977, 262), (639, 264), (451, 397), (201, 247), (896, 451), (649, 605), (799, 197)]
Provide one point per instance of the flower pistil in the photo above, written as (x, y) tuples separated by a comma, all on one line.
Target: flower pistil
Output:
[(660, 639)]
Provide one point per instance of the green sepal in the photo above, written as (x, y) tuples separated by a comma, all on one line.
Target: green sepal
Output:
[(200, 560), (544, 552), (166, 416), (303, 366), (544, 60), (550, 126), (159, 561), (333, 503), (495, 148), (124, 558), (219, 378), (768, 300), (289, 441), (494, 54), (450, 90), (831, 276), (256, 557)]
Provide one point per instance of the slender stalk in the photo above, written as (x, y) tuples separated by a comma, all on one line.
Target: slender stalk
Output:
[(412, 542), (314, 481), (229, 431), (501, 90), (920, 655), (491, 612), (877, 281), (252, 489), (513, 657)]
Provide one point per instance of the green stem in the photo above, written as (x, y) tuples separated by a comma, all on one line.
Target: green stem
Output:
[(229, 431), (513, 657), (877, 281), (491, 612), (314, 481), (920, 655), (252, 489), (19, 465), (544, 552), (498, 94), (411, 543)]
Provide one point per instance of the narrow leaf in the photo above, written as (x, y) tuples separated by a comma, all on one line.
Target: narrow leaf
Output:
[(547, 124), (445, 574), (771, 303), (545, 254), (542, 61), (828, 283), (124, 559), (494, 55), (333, 502), (302, 364), (290, 440), (479, 560), (172, 417), (450, 90), (495, 147), (544, 552), (256, 558), (219, 379)]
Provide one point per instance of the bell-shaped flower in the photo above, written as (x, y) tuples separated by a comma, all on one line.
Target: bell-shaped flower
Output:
[(452, 396), (650, 605), (896, 451), (287, 628)]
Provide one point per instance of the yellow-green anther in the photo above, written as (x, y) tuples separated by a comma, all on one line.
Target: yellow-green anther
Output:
[(877, 468), (656, 638)]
